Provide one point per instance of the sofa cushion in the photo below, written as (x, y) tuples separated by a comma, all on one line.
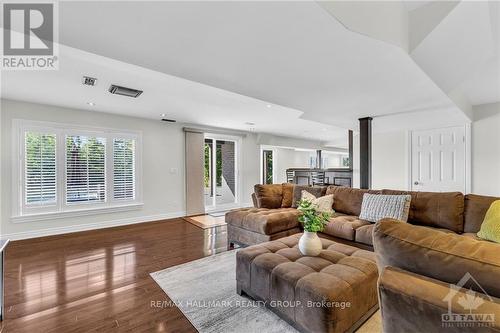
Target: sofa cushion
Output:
[(472, 235), (435, 209), (442, 256), (269, 195), (344, 226), (490, 229), (322, 204), (287, 200), (378, 206), (317, 191), (262, 220), (476, 207), (364, 234), (348, 200)]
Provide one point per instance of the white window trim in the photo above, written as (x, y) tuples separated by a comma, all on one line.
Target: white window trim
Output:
[(63, 210)]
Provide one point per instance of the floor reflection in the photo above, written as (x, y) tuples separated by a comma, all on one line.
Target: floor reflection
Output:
[(85, 273), (214, 240), (124, 263), (40, 288), (99, 280)]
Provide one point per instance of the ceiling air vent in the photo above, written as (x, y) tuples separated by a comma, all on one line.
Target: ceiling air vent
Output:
[(89, 81), (117, 90), (169, 120)]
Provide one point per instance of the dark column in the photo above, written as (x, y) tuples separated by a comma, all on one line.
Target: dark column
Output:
[(365, 152), (319, 161), (351, 149)]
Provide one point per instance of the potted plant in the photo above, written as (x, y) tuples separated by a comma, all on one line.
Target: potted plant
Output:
[(313, 221)]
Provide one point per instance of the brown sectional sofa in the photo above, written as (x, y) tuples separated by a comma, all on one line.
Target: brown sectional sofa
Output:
[(274, 215), (418, 262), (418, 266)]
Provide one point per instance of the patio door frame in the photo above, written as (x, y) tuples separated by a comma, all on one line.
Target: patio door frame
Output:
[(237, 176)]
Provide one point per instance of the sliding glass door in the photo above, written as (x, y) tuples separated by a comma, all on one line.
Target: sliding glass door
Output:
[(220, 169)]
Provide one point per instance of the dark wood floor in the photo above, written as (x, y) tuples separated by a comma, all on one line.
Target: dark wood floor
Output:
[(98, 281)]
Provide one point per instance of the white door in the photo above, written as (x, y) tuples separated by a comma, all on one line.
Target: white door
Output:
[(438, 161)]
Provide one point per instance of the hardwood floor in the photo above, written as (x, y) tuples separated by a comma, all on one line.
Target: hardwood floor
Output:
[(98, 281)]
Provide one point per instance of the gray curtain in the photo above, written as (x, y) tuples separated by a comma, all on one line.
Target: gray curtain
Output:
[(195, 201)]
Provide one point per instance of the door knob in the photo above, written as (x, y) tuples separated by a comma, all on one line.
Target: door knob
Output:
[(416, 183)]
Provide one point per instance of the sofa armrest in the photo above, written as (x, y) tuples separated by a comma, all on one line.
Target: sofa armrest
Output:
[(443, 256), (255, 201), (413, 303)]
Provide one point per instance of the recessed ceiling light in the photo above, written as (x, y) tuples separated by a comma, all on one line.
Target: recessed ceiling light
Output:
[(91, 103), (163, 115), (269, 105)]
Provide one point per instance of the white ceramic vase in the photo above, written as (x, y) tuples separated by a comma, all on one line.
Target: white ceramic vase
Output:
[(310, 244)]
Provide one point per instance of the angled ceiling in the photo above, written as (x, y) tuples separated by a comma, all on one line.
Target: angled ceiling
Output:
[(293, 54), (221, 63)]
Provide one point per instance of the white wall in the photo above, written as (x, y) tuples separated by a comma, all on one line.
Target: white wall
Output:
[(162, 151), (390, 160), (285, 158), (390, 154), (163, 192), (486, 150)]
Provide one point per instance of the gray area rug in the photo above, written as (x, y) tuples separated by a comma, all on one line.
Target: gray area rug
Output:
[(205, 291)]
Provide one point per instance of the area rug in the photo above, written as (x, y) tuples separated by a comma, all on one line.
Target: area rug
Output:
[(205, 291)]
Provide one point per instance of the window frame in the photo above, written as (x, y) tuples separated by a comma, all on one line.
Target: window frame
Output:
[(22, 213)]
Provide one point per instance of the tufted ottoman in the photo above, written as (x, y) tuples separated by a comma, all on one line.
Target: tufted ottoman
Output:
[(249, 226), (334, 292)]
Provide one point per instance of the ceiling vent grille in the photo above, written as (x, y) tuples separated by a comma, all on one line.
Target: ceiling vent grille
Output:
[(118, 90), (89, 81)]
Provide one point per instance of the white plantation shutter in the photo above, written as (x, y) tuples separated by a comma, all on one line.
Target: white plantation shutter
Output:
[(85, 169), (40, 169), (124, 169), (64, 168)]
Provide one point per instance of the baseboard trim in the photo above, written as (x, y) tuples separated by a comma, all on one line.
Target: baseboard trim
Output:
[(90, 226)]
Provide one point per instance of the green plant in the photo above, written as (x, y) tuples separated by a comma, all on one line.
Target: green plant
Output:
[(312, 220)]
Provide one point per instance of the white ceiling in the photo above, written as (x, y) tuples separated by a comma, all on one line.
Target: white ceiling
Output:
[(180, 99), (461, 53), (221, 63)]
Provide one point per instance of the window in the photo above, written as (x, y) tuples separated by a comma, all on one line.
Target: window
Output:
[(40, 169), (85, 169), (123, 167), (63, 168)]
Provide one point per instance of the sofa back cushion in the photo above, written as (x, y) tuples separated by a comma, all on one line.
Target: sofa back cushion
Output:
[(317, 191), (287, 200), (435, 209), (476, 207), (348, 200), (269, 195), (443, 256)]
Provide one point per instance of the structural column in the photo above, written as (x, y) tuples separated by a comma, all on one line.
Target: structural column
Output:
[(365, 152), (351, 149)]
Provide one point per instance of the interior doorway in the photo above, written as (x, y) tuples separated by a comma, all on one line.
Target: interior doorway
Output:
[(220, 172)]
